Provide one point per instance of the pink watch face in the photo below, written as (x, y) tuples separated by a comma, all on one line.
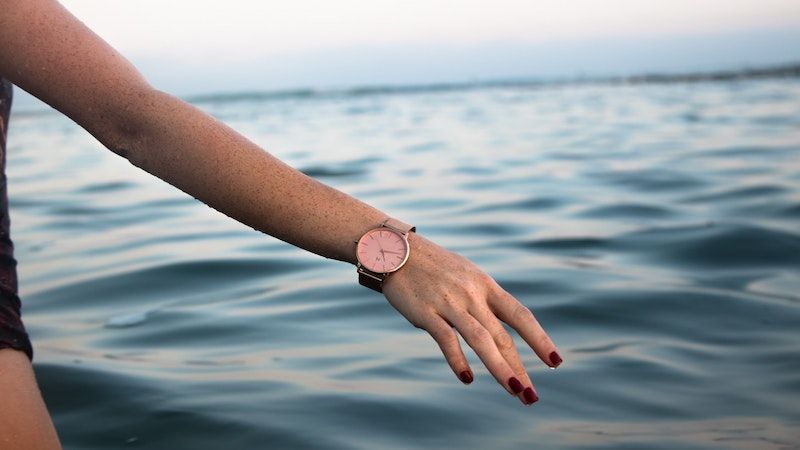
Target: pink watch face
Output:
[(382, 250)]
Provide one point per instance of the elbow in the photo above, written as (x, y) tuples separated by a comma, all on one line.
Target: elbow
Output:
[(120, 148), (124, 129)]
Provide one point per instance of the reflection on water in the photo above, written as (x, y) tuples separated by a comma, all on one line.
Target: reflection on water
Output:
[(652, 228), (741, 433)]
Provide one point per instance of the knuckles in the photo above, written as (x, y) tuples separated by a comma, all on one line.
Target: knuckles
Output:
[(479, 333), (504, 341), (522, 313)]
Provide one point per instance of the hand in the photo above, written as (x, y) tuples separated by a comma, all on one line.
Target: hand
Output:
[(442, 292)]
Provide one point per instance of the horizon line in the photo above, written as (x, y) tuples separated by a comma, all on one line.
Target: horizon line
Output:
[(783, 70)]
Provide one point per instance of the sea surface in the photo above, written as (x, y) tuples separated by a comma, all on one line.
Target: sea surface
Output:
[(653, 228)]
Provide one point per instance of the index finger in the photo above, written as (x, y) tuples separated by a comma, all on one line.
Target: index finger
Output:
[(519, 317)]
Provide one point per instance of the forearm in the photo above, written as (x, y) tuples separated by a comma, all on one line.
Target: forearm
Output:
[(203, 157), (52, 55)]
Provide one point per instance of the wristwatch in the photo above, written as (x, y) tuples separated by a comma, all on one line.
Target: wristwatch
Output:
[(381, 251)]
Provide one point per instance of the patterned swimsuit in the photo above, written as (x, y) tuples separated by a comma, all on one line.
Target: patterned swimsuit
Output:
[(12, 332)]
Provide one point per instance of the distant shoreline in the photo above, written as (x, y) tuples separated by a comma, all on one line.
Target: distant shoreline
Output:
[(782, 71), (778, 71)]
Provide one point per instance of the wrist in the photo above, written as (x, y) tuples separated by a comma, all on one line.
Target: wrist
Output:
[(418, 248)]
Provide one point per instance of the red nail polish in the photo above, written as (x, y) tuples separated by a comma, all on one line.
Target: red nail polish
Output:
[(530, 396), (515, 385), (466, 377), (555, 359)]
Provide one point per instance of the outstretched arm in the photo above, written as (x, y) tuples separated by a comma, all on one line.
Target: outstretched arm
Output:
[(52, 55)]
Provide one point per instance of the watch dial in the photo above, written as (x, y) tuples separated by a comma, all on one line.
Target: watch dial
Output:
[(382, 250)]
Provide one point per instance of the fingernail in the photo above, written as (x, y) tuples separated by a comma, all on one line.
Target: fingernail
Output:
[(530, 396), (555, 359), (466, 377), (515, 385)]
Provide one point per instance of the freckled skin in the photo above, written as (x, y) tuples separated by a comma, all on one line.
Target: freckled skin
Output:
[(49, 53)]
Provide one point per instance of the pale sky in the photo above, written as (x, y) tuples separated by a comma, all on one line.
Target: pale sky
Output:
[(197, 45), (245, 28)]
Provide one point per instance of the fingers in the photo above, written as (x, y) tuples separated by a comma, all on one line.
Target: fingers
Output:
[(519, 317), (517, 381), (506, 346), (446, 337), (479, 338)]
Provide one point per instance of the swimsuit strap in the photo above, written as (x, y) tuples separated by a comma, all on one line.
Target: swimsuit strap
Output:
[(12, 331)]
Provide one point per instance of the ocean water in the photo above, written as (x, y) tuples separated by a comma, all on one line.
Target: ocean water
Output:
[(654, 229)]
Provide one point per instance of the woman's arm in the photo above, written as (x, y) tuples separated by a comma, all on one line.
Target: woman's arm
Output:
[(24, 421), (49, 53), (52, 55)]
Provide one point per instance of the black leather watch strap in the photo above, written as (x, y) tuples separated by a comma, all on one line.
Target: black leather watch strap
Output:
[(371, 280)]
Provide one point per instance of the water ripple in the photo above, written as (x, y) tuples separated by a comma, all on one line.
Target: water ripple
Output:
[(652, 228)]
